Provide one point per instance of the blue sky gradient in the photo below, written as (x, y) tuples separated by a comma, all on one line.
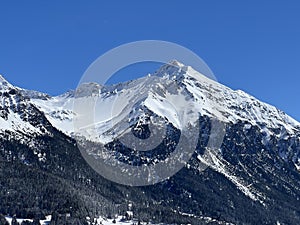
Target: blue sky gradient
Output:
[(249, 45)]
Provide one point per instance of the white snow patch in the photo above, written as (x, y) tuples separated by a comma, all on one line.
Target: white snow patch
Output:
[(218, 164)]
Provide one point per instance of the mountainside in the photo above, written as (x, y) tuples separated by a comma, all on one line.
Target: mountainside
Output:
[(252, 178), (161, 93)]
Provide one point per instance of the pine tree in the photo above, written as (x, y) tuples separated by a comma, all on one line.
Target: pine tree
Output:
[(36, 221), (3, 220), (14, 221)]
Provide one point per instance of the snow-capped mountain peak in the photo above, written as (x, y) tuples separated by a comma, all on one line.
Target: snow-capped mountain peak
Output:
[(4, 84), (224, 103), (18, 115), (178, 71), (166, 94)]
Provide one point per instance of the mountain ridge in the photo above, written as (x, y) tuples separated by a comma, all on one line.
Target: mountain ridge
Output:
[(205, 83)]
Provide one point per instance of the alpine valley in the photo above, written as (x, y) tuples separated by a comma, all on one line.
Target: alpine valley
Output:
[(253, 178)]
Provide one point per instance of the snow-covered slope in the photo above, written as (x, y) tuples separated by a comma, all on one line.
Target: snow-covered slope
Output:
[(58, 110), (17, 112), (168, 93)]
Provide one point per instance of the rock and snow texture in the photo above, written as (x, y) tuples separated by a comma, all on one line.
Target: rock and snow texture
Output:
[(167, 94), (58, 110), (16, 111)]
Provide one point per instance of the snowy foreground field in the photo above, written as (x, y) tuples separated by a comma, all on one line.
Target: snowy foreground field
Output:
[(99, 221), (42, 222), (119, 221)]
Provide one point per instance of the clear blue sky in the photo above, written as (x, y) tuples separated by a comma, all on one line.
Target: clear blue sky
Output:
[(249, 45)]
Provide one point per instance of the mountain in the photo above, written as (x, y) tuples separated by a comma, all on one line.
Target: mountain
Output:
[(251, 176), (209, 98)]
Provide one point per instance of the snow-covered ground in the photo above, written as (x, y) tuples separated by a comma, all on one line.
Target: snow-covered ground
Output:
[(119, 221), (42, 222), (98, 221)]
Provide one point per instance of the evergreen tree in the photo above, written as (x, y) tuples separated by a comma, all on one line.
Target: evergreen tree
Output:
[(14, 221), (3, 220), (36, 222)]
